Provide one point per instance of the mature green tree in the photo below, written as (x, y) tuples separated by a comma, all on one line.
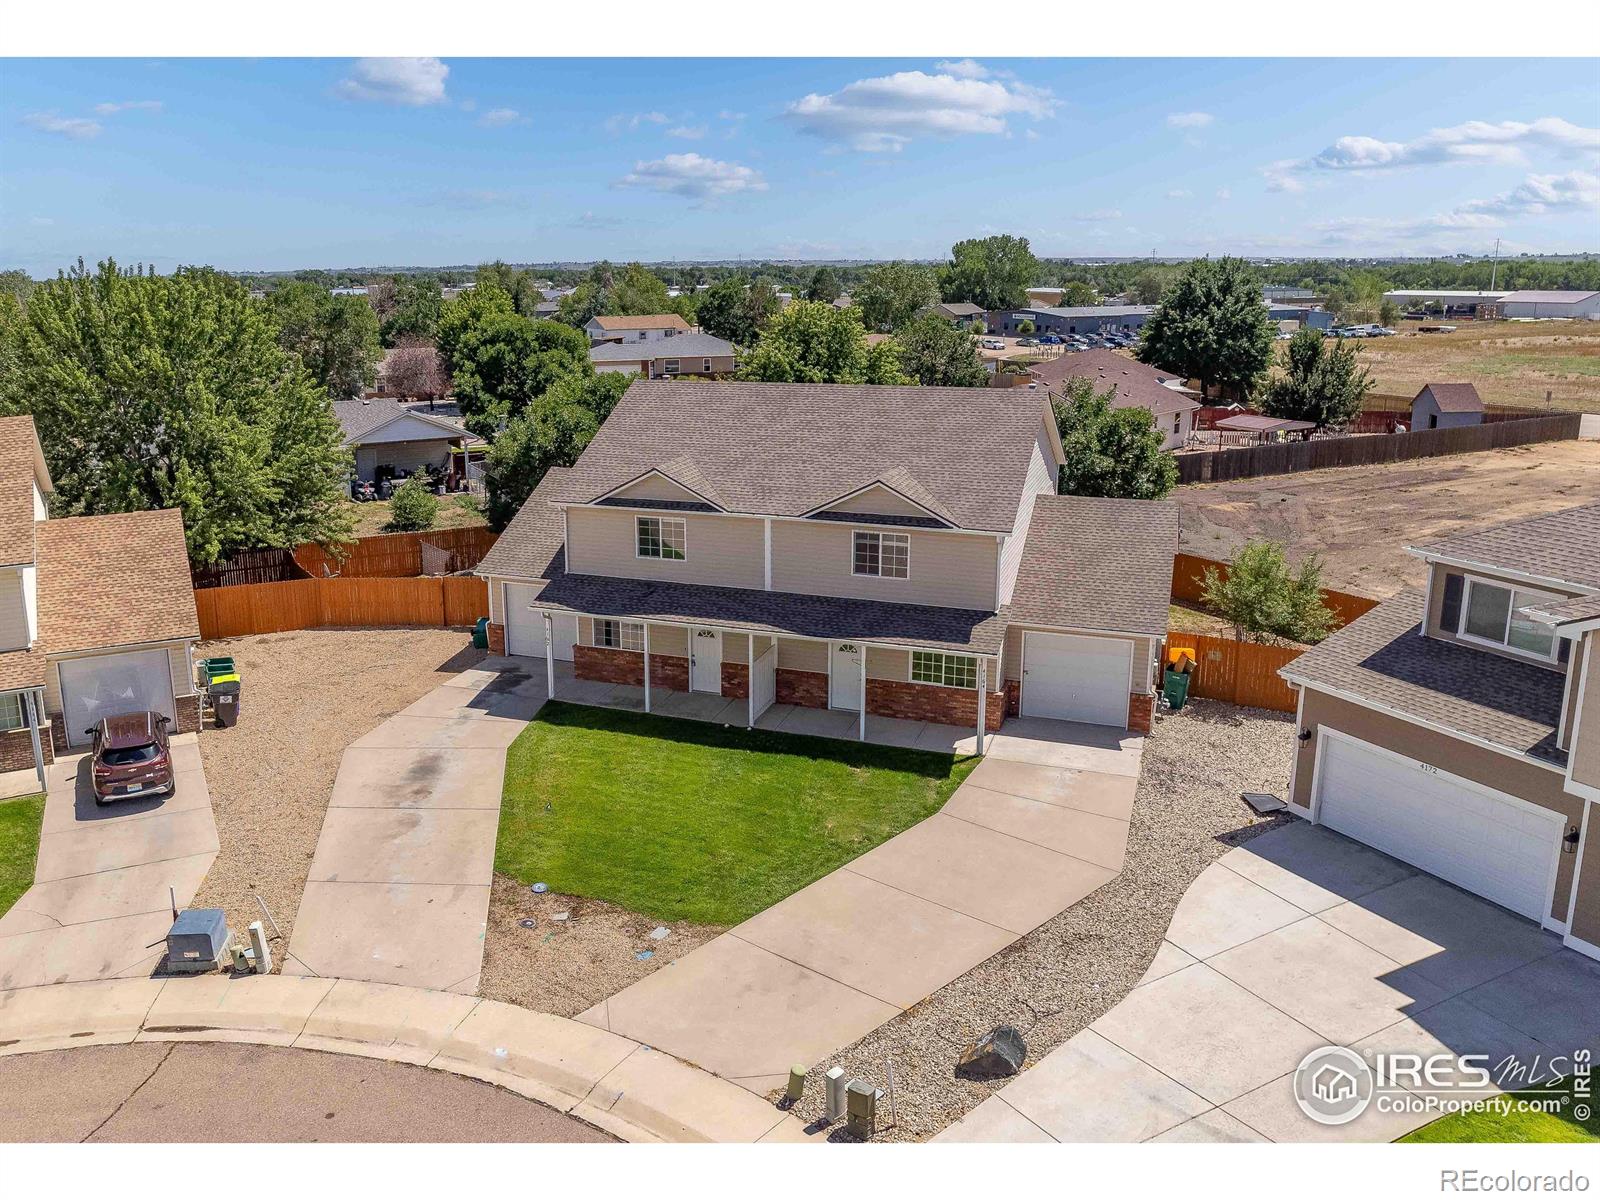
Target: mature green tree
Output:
[(736, 310), (1150, 285), (1212, 326), (1110, 451), (1322, 381), (1078, 294), (992, 272), (173, 391), (632, 291), (824, 285), (520, 286), (551, 432), (336, 337), (1261, 598), (507, 362), (811, 342), (935, 353), (16, 283), (462, 318), (890, 294), (414, 318)]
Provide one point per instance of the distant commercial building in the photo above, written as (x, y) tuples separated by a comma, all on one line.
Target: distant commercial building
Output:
[(1312, 318), (1578, 305), (1286, 294), (1046, 296), (1458, 302), (959, 314), (1097, 319)]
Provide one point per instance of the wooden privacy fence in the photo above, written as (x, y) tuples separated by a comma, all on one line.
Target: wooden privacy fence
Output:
[(1289, 457), (1188, 586), (1238, 672), (397, 555), (444, 601)]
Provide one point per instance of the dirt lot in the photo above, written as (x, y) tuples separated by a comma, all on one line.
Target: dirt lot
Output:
[(455, 512), (1361, 518), (304, 697), (1510, 362)]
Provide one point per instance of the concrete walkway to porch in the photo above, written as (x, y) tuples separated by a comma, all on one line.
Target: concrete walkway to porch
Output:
[(1041, 823)]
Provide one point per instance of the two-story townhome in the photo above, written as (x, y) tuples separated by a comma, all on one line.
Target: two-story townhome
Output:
[(636, 329), (897, 551), (1458, 727), (1169, 400), (97, 614)]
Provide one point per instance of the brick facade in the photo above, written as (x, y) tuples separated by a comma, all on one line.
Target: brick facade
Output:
[(16, 749), (808, 689), (736, 681), (497, 638), (928, 702), (608, 665), (190, 717), (669, 671), (1141, 711), (1013, 697)]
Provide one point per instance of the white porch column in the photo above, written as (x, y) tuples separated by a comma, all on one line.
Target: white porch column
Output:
[(35, 706), (750, 681), (861, 732), (983, 698), (646, 627), (549, 657)]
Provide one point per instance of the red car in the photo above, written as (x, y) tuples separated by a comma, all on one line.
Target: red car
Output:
[(131, 757)]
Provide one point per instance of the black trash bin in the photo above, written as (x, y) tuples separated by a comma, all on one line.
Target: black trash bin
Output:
[(225, 702)]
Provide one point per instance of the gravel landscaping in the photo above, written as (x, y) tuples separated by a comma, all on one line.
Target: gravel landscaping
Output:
[(1065, 974), (304, 697)]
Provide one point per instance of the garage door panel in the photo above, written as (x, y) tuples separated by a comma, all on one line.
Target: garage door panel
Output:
[(108, 685), (1069, 678), (525, 625), (1491, 845)]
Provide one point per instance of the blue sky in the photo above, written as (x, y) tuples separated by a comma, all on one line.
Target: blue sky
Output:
[(277, 164)]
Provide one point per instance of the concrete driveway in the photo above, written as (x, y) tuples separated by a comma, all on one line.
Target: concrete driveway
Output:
[(1041, 823), (1296, 940), (99, 907), (398, 891)]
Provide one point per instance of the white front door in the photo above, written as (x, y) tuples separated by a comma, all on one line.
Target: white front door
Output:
[(108, 685), (844, 680), (1504, 849), (705, 661), (1071, 678)]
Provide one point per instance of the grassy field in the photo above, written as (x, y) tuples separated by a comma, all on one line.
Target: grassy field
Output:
[(455, 512), (1520, 1125), (686, 821), (19, 846), (1510, 362)]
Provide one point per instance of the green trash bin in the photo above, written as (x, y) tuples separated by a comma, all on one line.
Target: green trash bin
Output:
[(480, 634), (212, 669), (1175, 687)]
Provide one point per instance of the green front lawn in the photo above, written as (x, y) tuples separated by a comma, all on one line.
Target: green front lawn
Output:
[(19, 846), (687, 821), (1519, 1125)]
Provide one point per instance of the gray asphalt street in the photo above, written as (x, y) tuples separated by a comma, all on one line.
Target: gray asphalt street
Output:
[(221, 1092)]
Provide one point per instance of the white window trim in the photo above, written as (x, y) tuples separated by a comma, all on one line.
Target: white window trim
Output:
[(1505, 646), (880, 535), (622, 624), (662, 539), (22, 712), (911, 670)]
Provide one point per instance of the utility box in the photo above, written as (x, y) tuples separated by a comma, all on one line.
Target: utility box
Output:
[(197, 941), (861, 1109)]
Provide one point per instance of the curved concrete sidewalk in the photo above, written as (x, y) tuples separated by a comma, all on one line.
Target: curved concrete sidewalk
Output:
[(627, 1089)]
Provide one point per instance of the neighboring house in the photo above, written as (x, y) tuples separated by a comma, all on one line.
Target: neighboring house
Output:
[(636, 329), (1573, 305), (547, 310), (898, 551), (1168, 399), (690, 354), (1046, 296), (1445, 406), (962, 315), (1097, 319), (97, 614), (1458, 728), (394, 439)]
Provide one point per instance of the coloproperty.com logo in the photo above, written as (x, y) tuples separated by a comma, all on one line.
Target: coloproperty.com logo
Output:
[(1336, 1084)]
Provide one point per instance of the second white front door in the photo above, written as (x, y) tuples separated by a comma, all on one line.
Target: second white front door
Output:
[(705, 661), (844, 682)]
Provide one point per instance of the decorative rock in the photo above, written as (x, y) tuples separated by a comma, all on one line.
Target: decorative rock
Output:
[(561, 916), (659, 932), (996, 1054)]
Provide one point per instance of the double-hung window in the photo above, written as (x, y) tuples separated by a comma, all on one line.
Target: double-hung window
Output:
[(1492, 612), (11, 712), (672, 366), (619, 635), (945, 670), (886, 555), (660, 537)]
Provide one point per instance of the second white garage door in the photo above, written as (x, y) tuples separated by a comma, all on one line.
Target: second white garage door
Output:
[(1076, 678), (525, 625), (109, 685), (1478, 839)]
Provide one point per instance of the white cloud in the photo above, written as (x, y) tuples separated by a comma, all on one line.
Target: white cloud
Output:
[(1224, 194), (1032, 135), (1099, 214), (497, 118), (1189, 120), (964, 68), (410, 81), (886, 113), (1474, 142), (619, 122), (1537, 196), (695, 176), (688, 132), (728, 114), (111, 107), (77, 128), (1179, 194)]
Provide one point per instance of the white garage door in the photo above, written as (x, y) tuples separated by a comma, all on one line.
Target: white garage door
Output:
[(1480, 840), (112, 684), (1076, 678), (525, 626)]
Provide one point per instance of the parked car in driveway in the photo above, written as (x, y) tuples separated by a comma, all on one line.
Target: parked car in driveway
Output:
[(1027, 341), (993, 344), (130, 757)]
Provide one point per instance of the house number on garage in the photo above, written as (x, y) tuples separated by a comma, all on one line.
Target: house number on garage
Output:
[(1427, 768)]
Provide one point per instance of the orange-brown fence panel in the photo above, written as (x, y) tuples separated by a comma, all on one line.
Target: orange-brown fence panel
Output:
[(396, 555), (448, 601), (1188, 587), (1238, 672), (466, 599)]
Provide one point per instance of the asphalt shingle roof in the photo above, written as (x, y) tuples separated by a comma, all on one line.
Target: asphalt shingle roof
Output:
[(531, 546), (357, 418), (1093, 563), (1562, 546), (1453, 397), (1138, 385), (653, 321), (687, 345), (1382, 658)]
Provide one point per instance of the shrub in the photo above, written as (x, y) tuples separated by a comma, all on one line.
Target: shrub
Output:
[(413, 506), (1261, 598)]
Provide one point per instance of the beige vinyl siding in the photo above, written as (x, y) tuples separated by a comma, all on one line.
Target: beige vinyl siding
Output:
[(1585, 752), (888, 664), (1436, 606), (669, 639), (13, 611), (879, 501), (693, 364), (797, 655), (1041, 478), (950, 570), (1144, 650), (736, 647), (655, 487), (182, 676), (721, 551), (1523, 780), (41, 509), (497, 611), (1586, 910)]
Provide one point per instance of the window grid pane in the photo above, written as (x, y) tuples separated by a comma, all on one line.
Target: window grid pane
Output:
[(619, 635), (661, 537), (866, 554), (944, 670), (887, 555), (11, 711), (1487, 609)]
